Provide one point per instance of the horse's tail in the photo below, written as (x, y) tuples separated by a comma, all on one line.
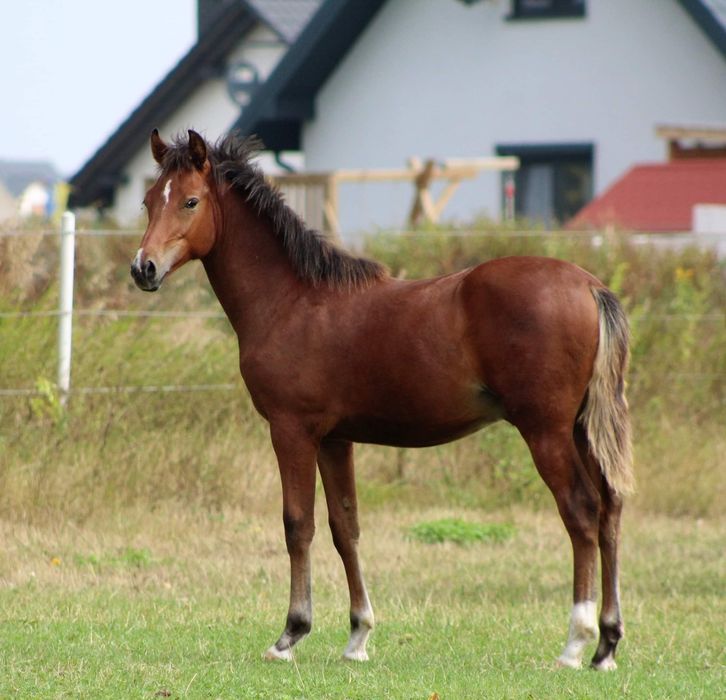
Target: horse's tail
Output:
[(605, 413)]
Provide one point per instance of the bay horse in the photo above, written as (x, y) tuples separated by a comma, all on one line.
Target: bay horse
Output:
[(334, 350)]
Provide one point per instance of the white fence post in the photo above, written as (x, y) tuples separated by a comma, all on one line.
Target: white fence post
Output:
[(65, 318)]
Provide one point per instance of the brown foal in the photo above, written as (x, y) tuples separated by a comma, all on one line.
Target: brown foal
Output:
[(334, 351)]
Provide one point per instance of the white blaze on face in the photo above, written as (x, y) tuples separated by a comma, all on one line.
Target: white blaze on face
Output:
[(167, 192), (137, 259)]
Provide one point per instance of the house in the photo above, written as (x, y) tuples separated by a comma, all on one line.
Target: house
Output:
[(574, 88), (239, 44), (26, 188), (8, 205)]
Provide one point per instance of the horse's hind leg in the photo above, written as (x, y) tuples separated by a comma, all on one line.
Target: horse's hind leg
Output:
[(335, 460), (611, 621), (578, 502)]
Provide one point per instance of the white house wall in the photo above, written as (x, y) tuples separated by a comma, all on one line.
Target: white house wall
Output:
[(210, 111), (438, 78)]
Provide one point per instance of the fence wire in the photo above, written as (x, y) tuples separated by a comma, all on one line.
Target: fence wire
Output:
[(115, 313), (214, 315), (129, 389), (132, 313)]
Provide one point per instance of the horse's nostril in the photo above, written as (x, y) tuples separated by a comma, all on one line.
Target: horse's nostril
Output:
[(149, 270)]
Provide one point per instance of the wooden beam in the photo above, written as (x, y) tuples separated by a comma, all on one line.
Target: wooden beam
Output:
[(495, 163), (691, 133), (420, 174)]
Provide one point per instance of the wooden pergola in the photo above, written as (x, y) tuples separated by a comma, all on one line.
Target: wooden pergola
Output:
[(315, 195)]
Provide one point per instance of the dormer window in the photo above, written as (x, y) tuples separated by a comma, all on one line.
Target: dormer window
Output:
[(547, 9)]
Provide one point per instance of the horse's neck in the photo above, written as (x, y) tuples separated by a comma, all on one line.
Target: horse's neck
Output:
[(249, 271)]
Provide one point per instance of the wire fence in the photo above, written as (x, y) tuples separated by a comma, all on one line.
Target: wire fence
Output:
[(114, 314)]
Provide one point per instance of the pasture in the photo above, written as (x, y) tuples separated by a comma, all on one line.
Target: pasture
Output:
[(144, 555), (182, 603)]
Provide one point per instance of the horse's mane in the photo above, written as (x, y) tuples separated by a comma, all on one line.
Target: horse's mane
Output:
[(313, 256)]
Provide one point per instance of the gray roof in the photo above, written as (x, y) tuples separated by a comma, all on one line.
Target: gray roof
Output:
[(288, 17), (16, 175)]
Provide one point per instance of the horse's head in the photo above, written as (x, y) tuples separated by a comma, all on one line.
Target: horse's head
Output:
[(180, 205)]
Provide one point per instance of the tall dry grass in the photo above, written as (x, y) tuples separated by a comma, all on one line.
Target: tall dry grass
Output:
[(107, 453)]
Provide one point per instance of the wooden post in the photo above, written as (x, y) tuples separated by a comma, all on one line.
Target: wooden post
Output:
[(330, 206), (423, 205)]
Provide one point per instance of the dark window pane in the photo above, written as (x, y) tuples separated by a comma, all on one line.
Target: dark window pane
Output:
[(573, 188), (548, 8), (553, 182)]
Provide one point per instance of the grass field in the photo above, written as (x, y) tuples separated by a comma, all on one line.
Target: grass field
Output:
[(143, 548), (177, 604)]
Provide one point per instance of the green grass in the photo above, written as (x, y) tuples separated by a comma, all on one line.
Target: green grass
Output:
[(460, 531), (473, 622), (143, 554)]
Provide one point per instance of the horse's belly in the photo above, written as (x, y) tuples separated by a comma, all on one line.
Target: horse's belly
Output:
[(418, 429)]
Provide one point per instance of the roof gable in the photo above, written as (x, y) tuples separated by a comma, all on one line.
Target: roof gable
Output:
[(286, 99), (286, 17), (710, 16), (102, 173), (278, 110)]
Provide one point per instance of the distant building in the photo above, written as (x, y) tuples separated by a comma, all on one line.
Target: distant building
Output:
[(26, 188), (8, 205), (574, 88)]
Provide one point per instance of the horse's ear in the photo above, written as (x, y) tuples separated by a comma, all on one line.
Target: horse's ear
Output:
[(197, 149), (158, 147)]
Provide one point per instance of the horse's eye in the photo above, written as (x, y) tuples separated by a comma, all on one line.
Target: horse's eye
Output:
[(191, 203)]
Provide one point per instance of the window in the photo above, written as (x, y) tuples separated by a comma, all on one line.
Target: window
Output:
[(553, 181), (547, 9)]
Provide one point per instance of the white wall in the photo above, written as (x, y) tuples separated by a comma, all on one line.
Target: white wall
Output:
[(209, 111), (443, 79)]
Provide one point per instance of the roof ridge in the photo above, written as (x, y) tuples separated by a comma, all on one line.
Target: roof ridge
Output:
[(161, 101)]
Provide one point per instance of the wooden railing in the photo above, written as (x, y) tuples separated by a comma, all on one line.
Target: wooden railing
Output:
[(314, 196)]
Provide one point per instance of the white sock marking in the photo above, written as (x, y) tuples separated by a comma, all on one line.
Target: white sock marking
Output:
[(274, 654), (607, 664), (356, 649), (583, 629)]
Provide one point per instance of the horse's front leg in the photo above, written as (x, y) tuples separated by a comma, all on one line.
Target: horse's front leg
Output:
[(335, 461), (296, 452)]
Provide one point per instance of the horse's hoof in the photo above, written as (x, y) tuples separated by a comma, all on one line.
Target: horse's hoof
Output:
[(607, 664), (568, 662), (357, 655), (274, 654)]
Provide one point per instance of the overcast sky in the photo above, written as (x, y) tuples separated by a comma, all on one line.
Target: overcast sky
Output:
[(72, 71)]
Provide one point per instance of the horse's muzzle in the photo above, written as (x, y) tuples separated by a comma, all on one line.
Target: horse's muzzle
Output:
[(145, 275)]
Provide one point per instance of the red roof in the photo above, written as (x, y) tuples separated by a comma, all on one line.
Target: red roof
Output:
[(656, 197)]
